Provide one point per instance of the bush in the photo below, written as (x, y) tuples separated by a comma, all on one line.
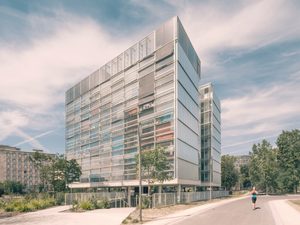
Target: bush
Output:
[(102, 204), (86, 205), (23, 205), (60, 198), (75, 205), (146, 202), (2, 204)]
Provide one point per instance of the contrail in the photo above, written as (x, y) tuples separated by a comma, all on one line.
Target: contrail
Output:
[(248, 141), (31, 139)]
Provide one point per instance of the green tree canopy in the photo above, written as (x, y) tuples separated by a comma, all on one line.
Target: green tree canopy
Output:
[(245, 176), (263, 166), (56, 172), (288, 144), (229, 175), (155, 165)]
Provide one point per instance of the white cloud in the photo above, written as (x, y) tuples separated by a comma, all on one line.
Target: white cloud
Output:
[(10, 121), (35, 77), (252, 25), (261, 112)]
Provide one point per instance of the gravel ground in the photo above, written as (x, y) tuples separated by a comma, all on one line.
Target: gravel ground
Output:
[(151, 214)]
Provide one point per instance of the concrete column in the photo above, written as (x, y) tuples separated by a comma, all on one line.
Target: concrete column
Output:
[(129, 196), (159, 193), (179, 193)]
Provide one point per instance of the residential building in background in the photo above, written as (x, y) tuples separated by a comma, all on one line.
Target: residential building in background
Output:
[(241, 160), (210, 137), (15, 165), (151, 89)]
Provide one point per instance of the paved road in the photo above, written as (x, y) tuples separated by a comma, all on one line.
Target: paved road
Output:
[(238, 212)]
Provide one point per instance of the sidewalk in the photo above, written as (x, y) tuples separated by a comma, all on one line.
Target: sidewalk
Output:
[(57, 216), (283, 213), (181, 215)]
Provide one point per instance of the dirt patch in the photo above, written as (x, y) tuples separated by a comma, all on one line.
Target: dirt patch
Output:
[(4, 214), (152, 214), (295, 204)]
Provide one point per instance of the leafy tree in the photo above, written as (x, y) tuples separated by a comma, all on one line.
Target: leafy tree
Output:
[(155, 166), (263, 166), (56, 172), (288, 144), (229, 175), (43, 163), (1, 189), (64, 172), (12, 187), (245, 177)]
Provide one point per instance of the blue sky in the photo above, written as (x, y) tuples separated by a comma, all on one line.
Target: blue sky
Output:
[(250, 50)]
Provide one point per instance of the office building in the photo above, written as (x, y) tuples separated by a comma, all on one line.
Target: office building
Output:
[(210, 137), (151, 88)]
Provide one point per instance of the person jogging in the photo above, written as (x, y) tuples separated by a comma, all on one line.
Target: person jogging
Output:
[(253, 197)]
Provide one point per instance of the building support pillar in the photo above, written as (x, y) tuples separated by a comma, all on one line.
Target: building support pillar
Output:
[(179, 193), (129, 196), (159, 193)]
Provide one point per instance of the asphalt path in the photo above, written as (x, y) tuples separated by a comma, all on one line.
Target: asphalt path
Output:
[(238, 212)]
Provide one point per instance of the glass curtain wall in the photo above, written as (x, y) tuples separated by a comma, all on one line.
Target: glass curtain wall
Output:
[(131, 93)]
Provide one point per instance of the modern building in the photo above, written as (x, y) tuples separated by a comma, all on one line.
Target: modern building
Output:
[(210, 137), (15, 165), (151, 89)]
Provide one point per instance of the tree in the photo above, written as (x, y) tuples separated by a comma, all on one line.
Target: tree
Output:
[(42, 163), (56, 172), (12, 187), (64, 172), (288, 144), (155, 166), (229, 175), (263, 166), (245, 177), (1, 189)]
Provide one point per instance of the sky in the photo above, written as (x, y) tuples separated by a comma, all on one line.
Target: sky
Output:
[(249, 50)]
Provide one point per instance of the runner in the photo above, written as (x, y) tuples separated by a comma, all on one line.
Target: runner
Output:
[(253, 197)]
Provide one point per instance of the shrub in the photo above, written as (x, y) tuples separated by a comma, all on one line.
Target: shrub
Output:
[(75, 205), (60, 198), (21, 205), (135, 221), (103, 204), (86, 205), (2, 204), (9, 208), (146, 202)]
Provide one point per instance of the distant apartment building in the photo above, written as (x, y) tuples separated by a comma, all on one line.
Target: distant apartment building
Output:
[(151, 90), (15, 165), (210, 136), (241, 160)]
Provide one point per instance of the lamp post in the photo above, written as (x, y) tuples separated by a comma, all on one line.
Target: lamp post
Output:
[(210, 175), (140, 175)]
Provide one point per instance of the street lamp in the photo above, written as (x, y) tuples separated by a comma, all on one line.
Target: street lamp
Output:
[(140, 174), (210, 176)]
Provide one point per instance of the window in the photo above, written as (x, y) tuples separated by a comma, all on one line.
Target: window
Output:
[(146, 108), (164, 118)]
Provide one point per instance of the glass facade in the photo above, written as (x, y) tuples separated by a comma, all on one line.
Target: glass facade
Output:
[(210, 170), (141, 90)]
